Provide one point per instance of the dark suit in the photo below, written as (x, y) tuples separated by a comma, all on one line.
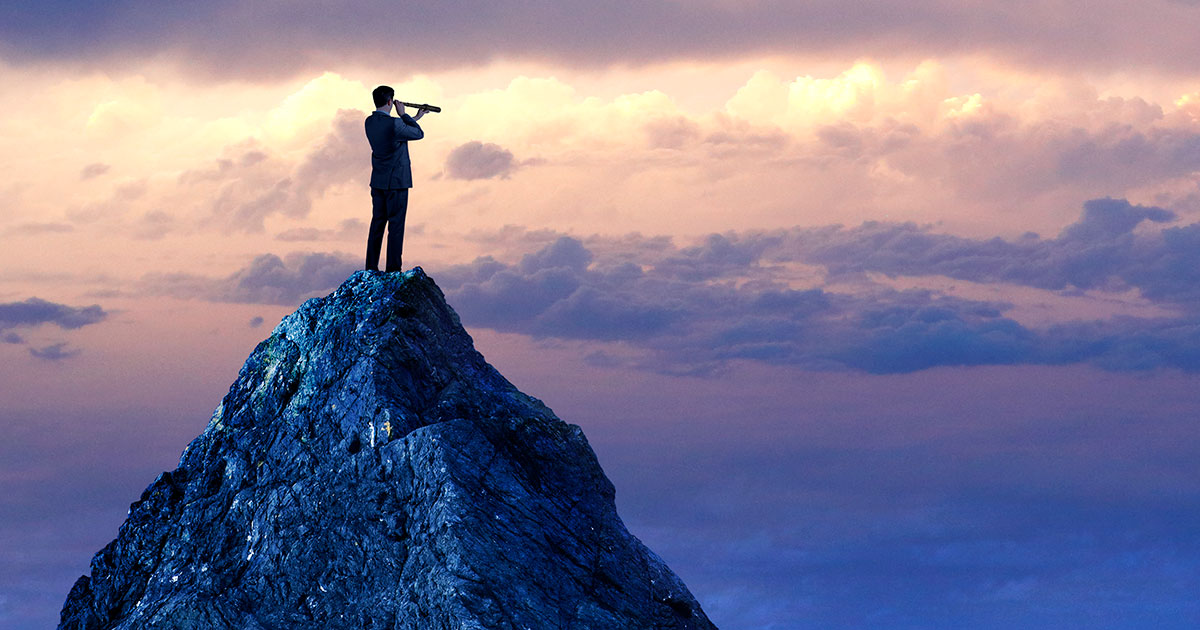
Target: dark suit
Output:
[(391, 177)]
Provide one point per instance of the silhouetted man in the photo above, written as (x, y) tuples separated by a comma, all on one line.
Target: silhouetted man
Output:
[(391, 175)]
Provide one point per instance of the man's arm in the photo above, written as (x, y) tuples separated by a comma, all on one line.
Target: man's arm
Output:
[(408, 129), (406, 126)]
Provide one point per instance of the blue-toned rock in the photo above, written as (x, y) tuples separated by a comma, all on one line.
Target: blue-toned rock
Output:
[(368, 469)]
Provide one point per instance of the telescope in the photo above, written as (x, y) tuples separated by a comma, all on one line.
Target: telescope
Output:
[(430, 108)]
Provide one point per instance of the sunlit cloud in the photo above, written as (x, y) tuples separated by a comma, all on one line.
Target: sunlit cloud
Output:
[(873, 142)]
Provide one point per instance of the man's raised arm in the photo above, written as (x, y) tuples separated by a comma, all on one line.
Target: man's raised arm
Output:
[(406, 126)]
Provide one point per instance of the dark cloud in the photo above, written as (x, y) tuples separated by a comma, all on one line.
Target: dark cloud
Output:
[(1123, 155), (95, 169), (268, 279), (12, 337), (318, 36), (693, 321), (931, 333), (36, 311), (716, 257), (694, 309), (479, 160), (1099, 251), (256, 321), (54, 352)]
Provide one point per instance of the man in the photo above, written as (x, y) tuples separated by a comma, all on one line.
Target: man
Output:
[(391, 175)]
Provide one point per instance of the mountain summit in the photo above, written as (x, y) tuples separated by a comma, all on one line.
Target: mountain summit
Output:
[(368, 469)]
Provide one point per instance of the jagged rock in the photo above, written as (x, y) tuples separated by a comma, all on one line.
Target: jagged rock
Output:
[(368, 469)]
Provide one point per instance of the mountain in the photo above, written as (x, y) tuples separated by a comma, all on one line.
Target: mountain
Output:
[(368, 469)]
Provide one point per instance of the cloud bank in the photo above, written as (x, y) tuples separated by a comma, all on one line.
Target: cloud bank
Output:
[(1107, 36), (850, 146), (695, 308), (806, 297)]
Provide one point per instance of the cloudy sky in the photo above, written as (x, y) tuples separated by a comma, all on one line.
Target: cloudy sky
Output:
[(879, 314)]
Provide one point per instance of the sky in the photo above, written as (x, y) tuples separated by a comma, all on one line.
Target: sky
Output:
[(878, 314)]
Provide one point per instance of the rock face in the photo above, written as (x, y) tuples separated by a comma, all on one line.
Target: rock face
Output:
[(368, 469)]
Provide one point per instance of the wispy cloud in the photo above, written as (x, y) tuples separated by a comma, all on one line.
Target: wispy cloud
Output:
[(268, 279), (255, 186), (95, 169), (238, 191), (35, 229), (54, 352), (349, 229)]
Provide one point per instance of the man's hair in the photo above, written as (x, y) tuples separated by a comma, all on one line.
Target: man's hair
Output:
[(382, 95)]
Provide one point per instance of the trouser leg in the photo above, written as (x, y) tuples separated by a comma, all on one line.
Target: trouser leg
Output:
[(379, 217), (397, 210)]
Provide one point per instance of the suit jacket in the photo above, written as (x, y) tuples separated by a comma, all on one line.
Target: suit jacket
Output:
[(389, 138)]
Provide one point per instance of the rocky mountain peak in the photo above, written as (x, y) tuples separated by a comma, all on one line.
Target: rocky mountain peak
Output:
[(368, 469)]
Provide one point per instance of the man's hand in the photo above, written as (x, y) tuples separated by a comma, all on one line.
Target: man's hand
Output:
[(399, 108), (420, 113)]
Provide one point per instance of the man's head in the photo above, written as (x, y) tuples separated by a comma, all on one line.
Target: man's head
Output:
[(382, 95)]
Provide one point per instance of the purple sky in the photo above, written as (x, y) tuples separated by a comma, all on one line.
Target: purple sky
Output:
[(877, 314)]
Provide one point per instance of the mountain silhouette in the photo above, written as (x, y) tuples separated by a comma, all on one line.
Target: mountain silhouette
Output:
[(368, 469)]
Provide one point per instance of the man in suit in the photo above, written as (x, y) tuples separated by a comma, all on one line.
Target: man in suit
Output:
[(391, 175)]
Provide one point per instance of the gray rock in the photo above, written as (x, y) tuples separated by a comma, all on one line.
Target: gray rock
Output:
[(368, 469)]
